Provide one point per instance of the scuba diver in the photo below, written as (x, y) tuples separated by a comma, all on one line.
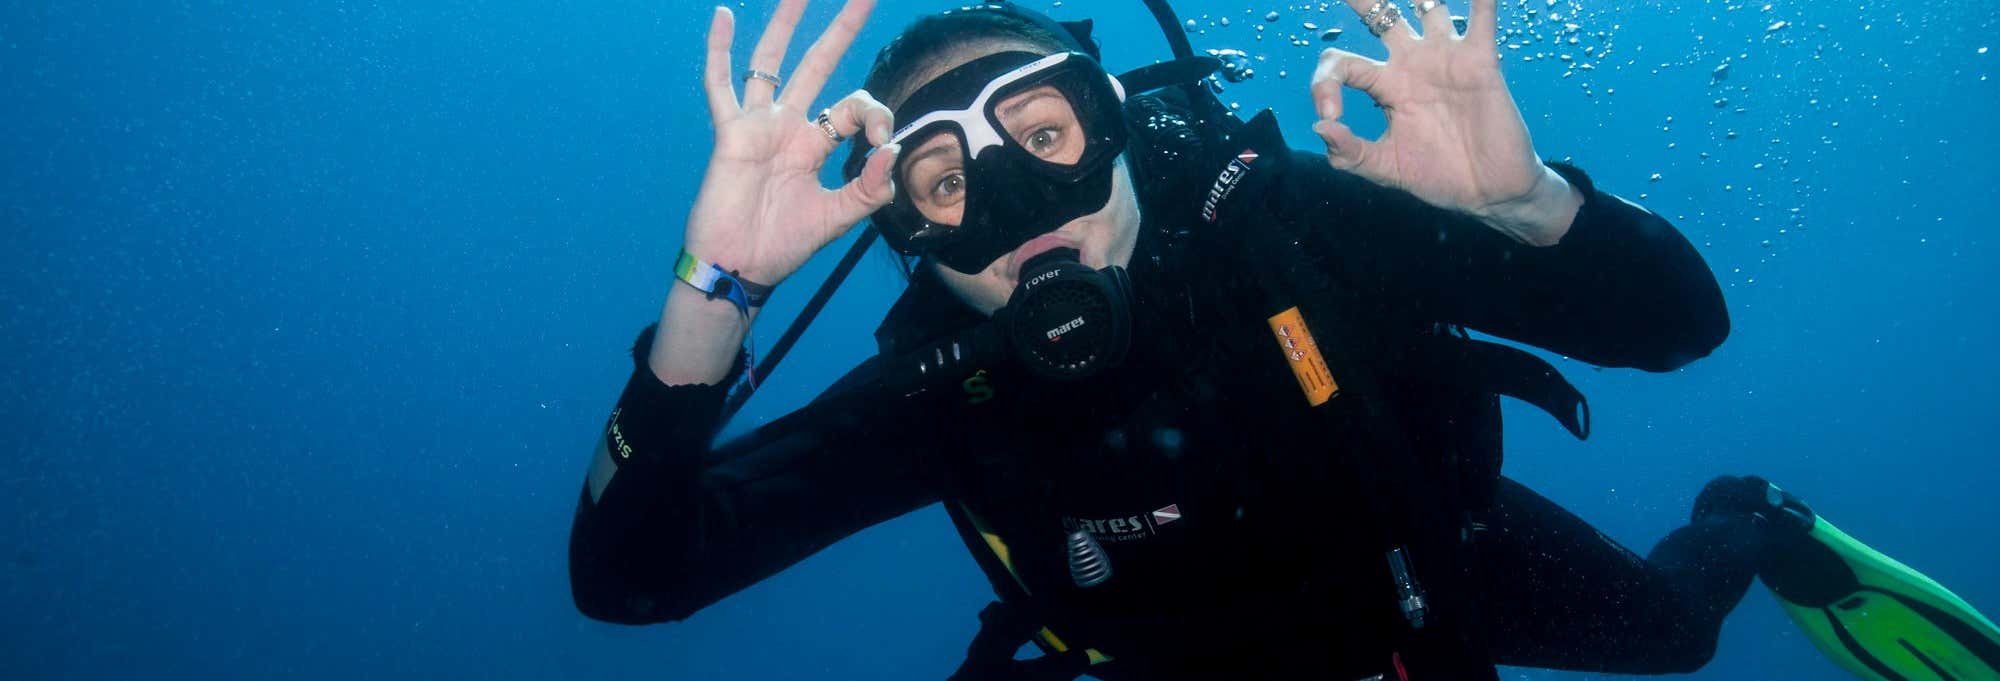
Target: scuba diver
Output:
[(1200, 405)]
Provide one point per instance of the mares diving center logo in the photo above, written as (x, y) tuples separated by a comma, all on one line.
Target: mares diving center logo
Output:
[(1124, 528), (1226, 183)]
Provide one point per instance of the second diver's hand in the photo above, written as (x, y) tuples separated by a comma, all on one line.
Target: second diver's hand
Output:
[(1455, 137), (761, 211)]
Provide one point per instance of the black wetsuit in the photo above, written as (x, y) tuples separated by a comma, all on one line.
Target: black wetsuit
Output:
[(1244, 572)]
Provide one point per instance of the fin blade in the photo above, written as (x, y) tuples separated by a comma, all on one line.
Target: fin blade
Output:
[(1897, 624)]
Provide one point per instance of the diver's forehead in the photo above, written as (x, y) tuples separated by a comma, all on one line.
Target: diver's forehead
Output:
[(1007, 108), (932, 145)]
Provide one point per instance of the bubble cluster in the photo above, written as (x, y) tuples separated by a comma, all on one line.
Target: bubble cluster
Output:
[(1765, 72), (1559, 31), (1746, 102)]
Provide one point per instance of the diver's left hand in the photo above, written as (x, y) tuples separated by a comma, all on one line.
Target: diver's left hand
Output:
[(1455, 137)]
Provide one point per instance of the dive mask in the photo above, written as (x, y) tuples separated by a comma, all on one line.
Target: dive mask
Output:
[(998, 151)]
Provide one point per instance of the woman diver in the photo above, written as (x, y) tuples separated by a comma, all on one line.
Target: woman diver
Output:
[(1199, 404)]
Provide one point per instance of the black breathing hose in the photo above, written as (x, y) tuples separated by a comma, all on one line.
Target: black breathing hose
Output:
[(762, 372)]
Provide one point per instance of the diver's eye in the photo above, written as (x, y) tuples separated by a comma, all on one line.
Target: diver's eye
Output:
[(1044, 141), (949, 186)]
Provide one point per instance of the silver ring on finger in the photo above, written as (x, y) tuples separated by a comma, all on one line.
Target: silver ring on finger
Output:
[(766, 76), (1425, 7), (1385, 20), (1374, 12), (825, 123)]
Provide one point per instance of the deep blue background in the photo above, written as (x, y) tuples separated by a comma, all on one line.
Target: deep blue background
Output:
[(309, 313)]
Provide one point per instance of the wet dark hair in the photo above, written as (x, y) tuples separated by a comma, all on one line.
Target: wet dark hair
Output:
[(903, 60)]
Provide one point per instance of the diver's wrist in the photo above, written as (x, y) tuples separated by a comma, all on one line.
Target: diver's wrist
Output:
[(1541, 217), (698, 338)]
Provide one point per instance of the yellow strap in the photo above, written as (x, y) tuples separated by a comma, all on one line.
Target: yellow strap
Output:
[(994, 543), (999, 548)]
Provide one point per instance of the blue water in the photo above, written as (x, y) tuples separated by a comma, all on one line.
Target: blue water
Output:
[(309, 313)]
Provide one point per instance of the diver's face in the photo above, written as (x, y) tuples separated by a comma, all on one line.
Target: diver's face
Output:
[(1047, 129)]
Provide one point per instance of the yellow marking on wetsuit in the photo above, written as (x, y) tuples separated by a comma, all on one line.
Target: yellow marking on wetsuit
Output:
[(976, 388), (1296, 341)]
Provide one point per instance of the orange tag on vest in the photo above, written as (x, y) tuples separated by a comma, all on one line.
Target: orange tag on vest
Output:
[(1289, 327)]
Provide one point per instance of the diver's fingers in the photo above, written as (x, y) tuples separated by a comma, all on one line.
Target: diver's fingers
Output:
[(1484, 23), (715, 74), (825, 54), (770, 53), (1384, 11), (1338, 68), (1437, 21), (858, 112), (1344, 149), (866, 194), (1326, 87)]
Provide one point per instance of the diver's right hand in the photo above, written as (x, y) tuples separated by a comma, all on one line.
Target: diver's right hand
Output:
[(761, 210)]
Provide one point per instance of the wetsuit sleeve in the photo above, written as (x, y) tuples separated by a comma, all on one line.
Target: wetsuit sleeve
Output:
[(669, 524), (1622, 288)]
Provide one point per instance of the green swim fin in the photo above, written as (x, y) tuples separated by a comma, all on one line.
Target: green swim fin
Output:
[(1872, 615)]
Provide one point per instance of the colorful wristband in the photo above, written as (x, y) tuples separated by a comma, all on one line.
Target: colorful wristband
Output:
[(711, 279)]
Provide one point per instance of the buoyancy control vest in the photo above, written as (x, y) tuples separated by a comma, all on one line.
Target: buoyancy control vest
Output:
[(1404, 411)]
